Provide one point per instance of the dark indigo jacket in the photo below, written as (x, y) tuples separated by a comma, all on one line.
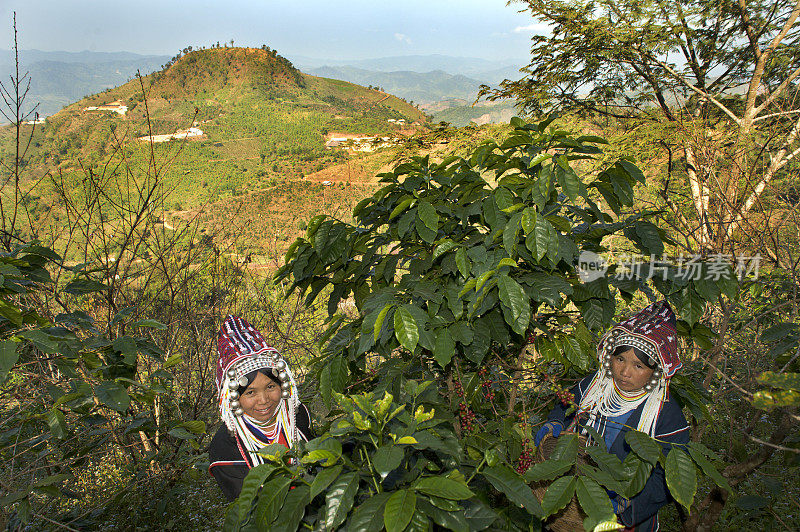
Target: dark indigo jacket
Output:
[(671, 429), (227, 463)]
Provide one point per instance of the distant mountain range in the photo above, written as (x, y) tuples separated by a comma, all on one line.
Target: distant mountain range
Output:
[(61, 78), (482, 69), (422, 88), (425, 79)]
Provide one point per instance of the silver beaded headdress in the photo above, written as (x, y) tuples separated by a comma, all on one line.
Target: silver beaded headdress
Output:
[(653, 332), (243, 350)]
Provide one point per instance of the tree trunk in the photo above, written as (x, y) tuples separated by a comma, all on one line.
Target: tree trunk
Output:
[(700, 197)]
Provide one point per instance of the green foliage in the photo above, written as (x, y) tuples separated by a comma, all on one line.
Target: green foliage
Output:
[(91, 389), (450, 276), (630, 47), (397, 467), (783, 386), (464, 256)]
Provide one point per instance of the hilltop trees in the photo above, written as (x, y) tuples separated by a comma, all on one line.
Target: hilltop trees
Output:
[(722, 76)]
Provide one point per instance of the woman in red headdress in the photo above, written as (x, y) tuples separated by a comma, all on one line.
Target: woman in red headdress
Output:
[(638, 358), (258, 403)]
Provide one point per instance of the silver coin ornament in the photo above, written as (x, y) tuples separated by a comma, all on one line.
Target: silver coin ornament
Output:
[(233, 395), (283, 375), (280, 365), (235, 404), (233, 385), (285, 394), (232, 373), (286, 385), (238, 412), (243, 381)]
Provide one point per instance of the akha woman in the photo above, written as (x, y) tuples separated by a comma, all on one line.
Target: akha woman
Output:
[(638, 358), (258, 403)]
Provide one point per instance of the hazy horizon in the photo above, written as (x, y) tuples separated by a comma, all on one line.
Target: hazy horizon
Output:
[(357, 30)]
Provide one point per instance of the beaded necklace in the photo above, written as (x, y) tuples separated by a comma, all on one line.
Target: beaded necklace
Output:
[(603, 398), (265, 431), (254, 434)]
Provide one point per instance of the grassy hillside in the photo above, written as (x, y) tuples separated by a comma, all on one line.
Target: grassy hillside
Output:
[(483, 113), (264, 123)]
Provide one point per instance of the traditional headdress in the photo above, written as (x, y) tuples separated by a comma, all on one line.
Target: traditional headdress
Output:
[(243, 350), (653, 332)]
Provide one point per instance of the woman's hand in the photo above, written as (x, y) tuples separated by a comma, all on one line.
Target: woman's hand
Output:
[(553, 427)]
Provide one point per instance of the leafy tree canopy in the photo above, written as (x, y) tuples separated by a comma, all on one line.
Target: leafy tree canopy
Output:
[(722, 73)]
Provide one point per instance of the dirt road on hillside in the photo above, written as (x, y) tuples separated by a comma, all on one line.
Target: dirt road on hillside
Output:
[(361, 170)]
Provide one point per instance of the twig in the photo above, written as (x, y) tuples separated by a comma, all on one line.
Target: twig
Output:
[(60, 525), (773, 445)]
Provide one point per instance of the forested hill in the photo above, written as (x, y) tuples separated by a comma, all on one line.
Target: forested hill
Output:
[(261, 119), (204, 71)]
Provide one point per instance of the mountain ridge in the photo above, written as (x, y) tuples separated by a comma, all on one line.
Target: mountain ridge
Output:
[(60, 78), (258, 119), (421, 87)]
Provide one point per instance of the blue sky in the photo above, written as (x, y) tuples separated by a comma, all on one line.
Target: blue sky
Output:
[(357, 29)]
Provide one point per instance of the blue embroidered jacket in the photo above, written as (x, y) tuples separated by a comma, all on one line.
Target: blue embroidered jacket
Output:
[(671, 429)]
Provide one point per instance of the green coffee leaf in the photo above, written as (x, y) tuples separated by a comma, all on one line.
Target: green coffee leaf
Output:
[(153, 324), (323, 480), (558, 495), (444, 347), (386, 459), (443, 487), (449, 520), (57, 423), (294, 507), (566, 448), (113, 395), (547, 470), (443, 247), (709, 469), (427, 213), (8, 357), (594, 500), (644, 446), (270, 501), (10, 312), (786, 381), (339, 500), (681, 477), (83, 286), (399, 510), (238, 510), (405, 328), (516, 305), (637, 471), (462, 262), (511, 484), (368, 517)]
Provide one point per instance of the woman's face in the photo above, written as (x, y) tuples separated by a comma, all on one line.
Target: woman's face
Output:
[(629, 373), (261, 399)]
